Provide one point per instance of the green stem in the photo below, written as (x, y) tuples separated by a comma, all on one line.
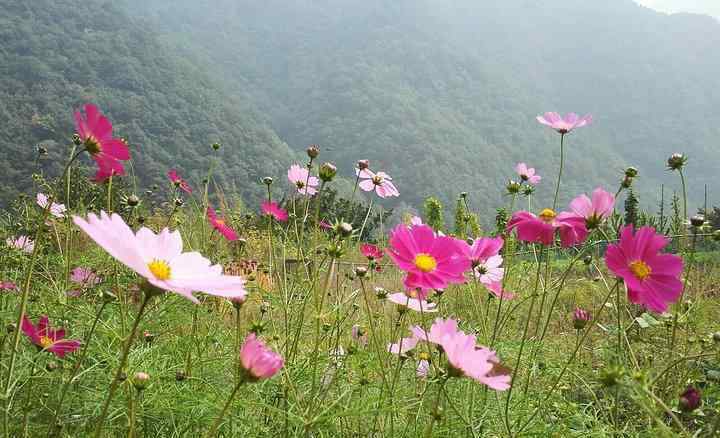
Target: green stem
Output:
[(213, 429), (562, 162)]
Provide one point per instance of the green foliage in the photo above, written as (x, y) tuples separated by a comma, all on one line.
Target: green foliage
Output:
[(433, 213), (460, 220), (335, 208), (631, 208)]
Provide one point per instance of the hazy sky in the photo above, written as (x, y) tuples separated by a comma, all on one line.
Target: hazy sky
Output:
[(710, 7)]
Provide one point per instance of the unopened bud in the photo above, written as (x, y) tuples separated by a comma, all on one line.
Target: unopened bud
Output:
[(344, 229), (463, 195), (42, 150), (587, 260), (10, 328), (631, 172), (179, 202), (360, 271), (690, 399), (626, 182), (76, 140), (327, 172), (513, 187), (363, 164), (180, 376), (133, 200), (313, 151), (676, 161), (140, 380), (141, 220), (267, 181), (216, 146), (697, 221)]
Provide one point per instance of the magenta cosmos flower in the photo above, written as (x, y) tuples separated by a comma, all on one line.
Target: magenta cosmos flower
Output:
[(220, 225), (258, 361), (542, 228), (8, 286), (651, 278), (431, 261), (57, 210), (370, 251), (527, 174), (159, 258), (564, 125), (269, 208), (175, 178), (380, 182), (594, 210), (96, 133), (302, 180), (48, 339), (22, 243)]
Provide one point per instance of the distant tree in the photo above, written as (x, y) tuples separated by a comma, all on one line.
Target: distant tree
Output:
[(631, 208), (433, 211)]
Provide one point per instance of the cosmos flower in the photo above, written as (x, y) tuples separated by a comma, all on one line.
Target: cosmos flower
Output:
[(542, 228), (372, 252), (430, 261), (651, 277), (84, 276), (8, 286), (21, 243), (301, 179), (527, 174), (220, 226), (178, 181), (95, 131), (416, 220), (57, 210), (496, 289), (258, 361), (159, 258), (484, 258), (423, 368), (564, 125), (413, 299), (48, 339), (380, 182), (269, 208), (594, 210), (478, 363)]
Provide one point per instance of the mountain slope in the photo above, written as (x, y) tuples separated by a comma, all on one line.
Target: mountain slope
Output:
[(443, 95), (56, 55)]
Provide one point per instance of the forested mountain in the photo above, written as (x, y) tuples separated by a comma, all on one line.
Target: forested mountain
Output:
[(443, 95), (56, 55)]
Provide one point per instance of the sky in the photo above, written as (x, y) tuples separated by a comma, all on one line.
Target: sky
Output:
[(709, 7)]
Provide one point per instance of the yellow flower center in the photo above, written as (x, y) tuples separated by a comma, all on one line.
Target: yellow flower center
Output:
[(424, 356), (640, 269), (377, 180), (425, 262), (160, 269), (548, 215), (45, 342), (92, 145), (220, 222)]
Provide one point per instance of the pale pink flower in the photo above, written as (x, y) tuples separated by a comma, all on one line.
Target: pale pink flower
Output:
[(159, 258), (303, 182), (594, 210), (527, 174), (413, 300), (477, 363), (22, 243), (57, 210), (423, 368), (258, 360), (380, 182), (564, 125), (490, 271), (496, 289)]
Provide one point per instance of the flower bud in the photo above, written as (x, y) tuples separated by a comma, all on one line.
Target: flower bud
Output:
[(626, 182), (513, 187), (380, 293), (611, 376), (133, 201), (631, 172), (267, 180), (216, 146), (580, 319), (327, 172), (344, 229), (10, 328), (676, 161), (463, 195), (238, 301), (42, 150), (363, 164), (51, 366), (587, 260), (149, 337), (360, 271), (690, 399), (76, 140), (313, 151), (528, 190), (179, 375), (140, 380), (716, 337), (140, 220), (697, 221), (179, 202)]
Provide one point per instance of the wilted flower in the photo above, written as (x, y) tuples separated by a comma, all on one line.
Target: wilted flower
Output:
[(380, 182), (57, 210), (527, 174), (95, 132), (178, 181), (220, 225), (258, 361), (270, 208), (566, 124), (159, 258), (48, 339), (302, 180), (651, 277), (22, 243), (631, 172)]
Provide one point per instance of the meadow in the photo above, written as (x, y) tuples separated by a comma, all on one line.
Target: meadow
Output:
[(179, 311)]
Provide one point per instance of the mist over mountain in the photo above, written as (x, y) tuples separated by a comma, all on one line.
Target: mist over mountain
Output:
[(443, 96)]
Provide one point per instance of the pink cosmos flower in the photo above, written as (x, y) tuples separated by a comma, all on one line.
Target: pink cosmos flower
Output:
[(84, 276), (477, 363), (273, 209), (596, 210), (299, 177), (220, 225), (430, 261), (372, 252), (325, 225), (159, 258), (380, 182), (47, 338), (651, 278), (564, 125), (22, 243), (258, 361), (423, 368), (57, 210), (178, 181), (438, 331), (96, 133), (413, 299), (496, 289), (8, 286), (527, 174), (484, 258), (359, 335), (541, 229)]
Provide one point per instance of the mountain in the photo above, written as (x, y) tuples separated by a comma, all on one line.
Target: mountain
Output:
[(56, 55), (443, 95)]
